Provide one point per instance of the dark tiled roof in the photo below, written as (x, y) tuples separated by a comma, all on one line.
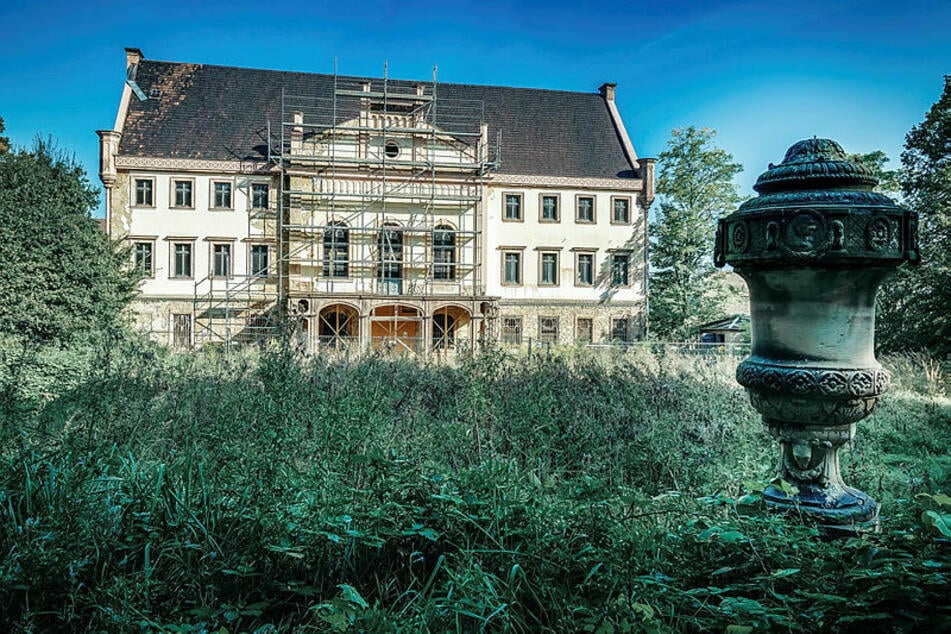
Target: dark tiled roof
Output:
[(220, 112)]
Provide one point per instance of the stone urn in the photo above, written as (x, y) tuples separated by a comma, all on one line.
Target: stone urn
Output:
[(814, 247)]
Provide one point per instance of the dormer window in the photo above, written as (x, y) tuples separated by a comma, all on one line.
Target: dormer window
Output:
[(391, 107)]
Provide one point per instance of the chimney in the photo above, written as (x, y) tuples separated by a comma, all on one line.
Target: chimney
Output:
[(607, 91), (133, 56)]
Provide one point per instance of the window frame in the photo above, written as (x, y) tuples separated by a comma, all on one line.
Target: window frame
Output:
[(517, 323), (213, 260), (627, 270), (329, 262), (594, 209), (578, 255), (521, 206), (590, 338), (252, 196), (390, 254), (174, 243), (628, 329), (448, 268), (135, 192), (213, 198), (173, 193), (136, 242), (541, 207), (557, 329), (630, 207), (542, 253), (519, 254), (267, 250)]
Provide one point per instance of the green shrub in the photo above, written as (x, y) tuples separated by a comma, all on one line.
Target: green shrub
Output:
[(261, 491)]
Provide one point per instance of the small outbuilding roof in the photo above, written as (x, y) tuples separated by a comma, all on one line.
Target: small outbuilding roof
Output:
[(733, 323)]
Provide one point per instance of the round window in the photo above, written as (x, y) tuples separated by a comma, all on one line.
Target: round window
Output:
[(391, 149)]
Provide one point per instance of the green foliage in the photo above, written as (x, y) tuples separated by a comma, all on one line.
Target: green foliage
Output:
[(913, 307), (4, 141), (695, 185), (589, 493), (61, 278), (889, 181)]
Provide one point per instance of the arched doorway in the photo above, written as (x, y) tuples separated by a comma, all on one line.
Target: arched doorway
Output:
[(339, 326), (449, 323), (396, 327)]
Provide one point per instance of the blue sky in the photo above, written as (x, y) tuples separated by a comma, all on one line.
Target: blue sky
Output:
[(764, 75)]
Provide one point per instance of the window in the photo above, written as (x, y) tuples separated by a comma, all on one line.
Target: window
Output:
[(182, 193), (585, 209), (512, 330), (621, 211), (584, 269), (584, 328), (513, 207), (181, 330), (260, 254), (389, 268), (621, 329), (444, 253), (548, 208), (221, 260), (143, 258), (512, 268), (548, 329), (221, 195), (144, 194), (391, 149), (337, 250), (548, 269), (259, 195), (619, 269), (182, 259)]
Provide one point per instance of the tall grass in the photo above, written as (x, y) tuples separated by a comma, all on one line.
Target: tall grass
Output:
[(582, 492)]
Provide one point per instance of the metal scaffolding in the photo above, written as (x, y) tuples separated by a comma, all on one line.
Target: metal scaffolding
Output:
[(380, 188)]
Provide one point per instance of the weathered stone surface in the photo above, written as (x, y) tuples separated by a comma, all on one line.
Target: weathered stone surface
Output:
[(814, 248)]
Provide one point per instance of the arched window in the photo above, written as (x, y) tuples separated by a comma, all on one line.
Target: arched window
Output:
[(389, 269), (337, 250), (444, 253)]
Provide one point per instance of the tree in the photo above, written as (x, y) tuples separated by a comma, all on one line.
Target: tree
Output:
[(695, 187), (913, 307), (4, 141), (60, 275), (889, 181)]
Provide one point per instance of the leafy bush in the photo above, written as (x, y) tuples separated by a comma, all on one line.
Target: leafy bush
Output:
[(585, 492)]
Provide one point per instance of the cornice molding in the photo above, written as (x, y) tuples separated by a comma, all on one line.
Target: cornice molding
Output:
[(191, 165), (527, 180)]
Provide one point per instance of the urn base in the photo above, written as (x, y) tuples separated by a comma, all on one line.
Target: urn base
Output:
[(809, 461), (838, 510)]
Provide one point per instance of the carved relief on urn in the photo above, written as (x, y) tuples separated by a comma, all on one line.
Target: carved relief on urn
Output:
[(814, 247)]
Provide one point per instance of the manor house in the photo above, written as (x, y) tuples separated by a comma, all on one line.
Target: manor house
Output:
[(375, 213)]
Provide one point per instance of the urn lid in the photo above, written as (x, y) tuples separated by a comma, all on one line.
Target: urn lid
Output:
[(817, 208), (815, 164)]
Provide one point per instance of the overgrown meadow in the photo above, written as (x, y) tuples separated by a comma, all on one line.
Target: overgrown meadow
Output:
[(605, 491)]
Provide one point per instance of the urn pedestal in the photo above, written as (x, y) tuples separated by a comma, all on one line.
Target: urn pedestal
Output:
[(814, 247)]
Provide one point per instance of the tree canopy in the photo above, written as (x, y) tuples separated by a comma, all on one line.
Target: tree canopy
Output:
[(4, 141), (889, 181), (913, 308), (695, 186), (61, 277)]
